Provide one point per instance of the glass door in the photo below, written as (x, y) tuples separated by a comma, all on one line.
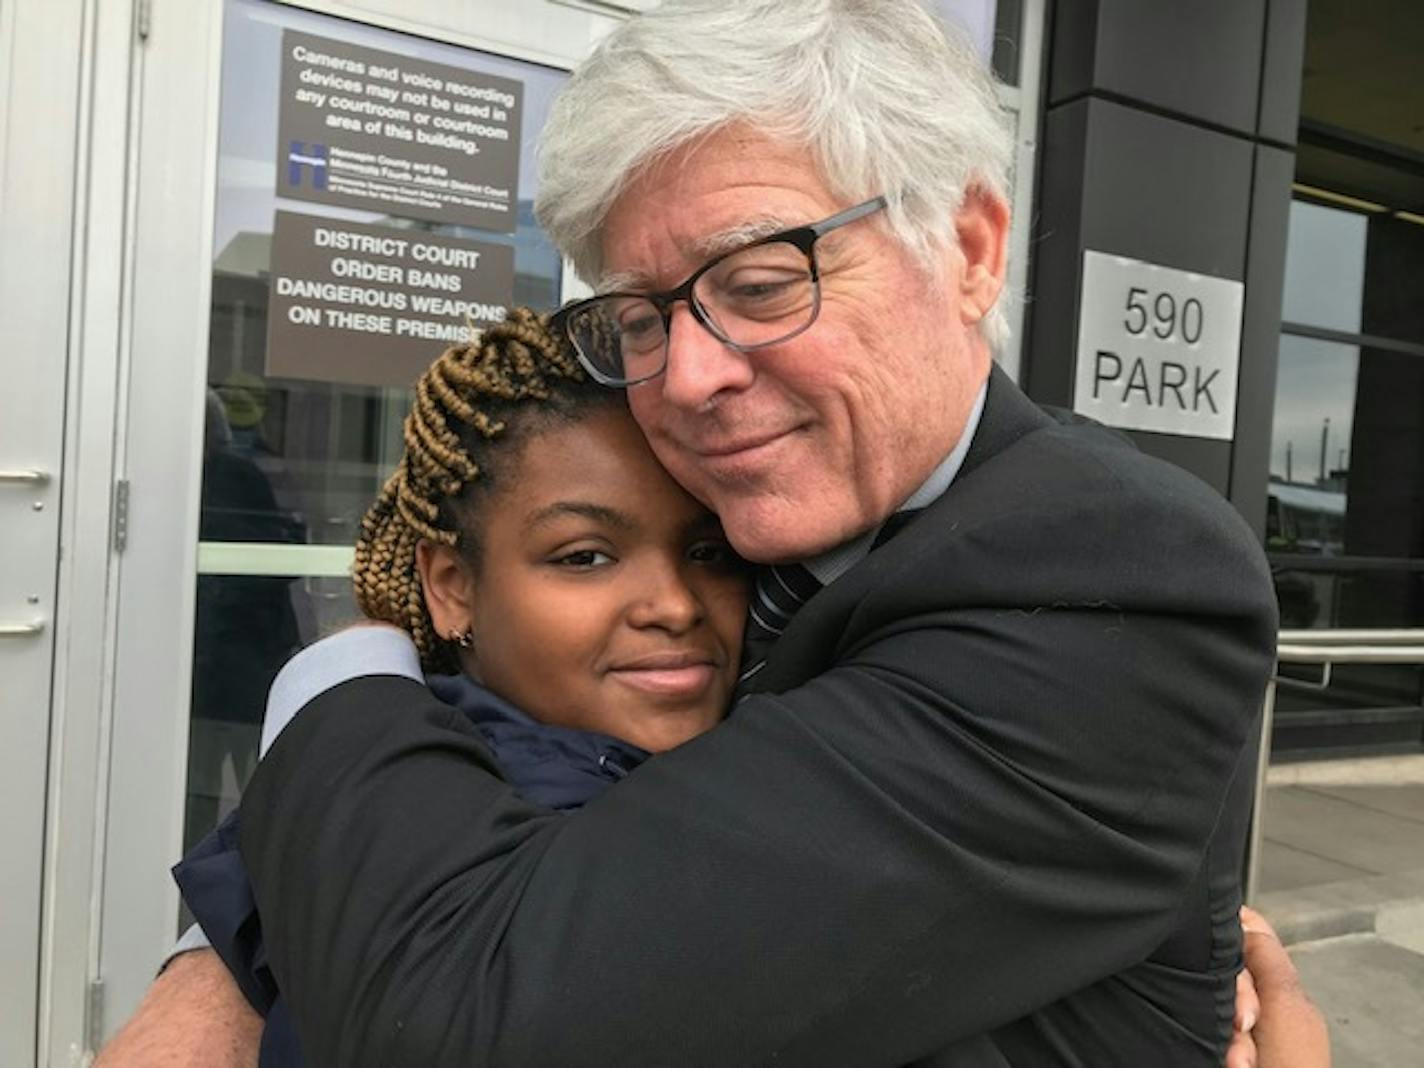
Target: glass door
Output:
[(341, 268), (324, 204), (1344, 515), (1343, 806)]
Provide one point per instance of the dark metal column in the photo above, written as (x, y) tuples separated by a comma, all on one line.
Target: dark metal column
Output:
[(1169, 134)]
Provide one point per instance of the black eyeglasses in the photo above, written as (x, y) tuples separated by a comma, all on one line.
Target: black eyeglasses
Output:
[(758, 295)]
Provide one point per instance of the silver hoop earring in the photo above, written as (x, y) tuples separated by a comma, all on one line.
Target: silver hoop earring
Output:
[(465, 639)]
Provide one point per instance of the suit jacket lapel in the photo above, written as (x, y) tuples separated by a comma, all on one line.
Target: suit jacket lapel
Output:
[(1008, 416)]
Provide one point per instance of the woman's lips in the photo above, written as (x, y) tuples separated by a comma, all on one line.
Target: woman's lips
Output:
[(675, 675), (668, 682)]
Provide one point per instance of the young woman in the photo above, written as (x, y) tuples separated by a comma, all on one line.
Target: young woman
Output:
[(563, 591)]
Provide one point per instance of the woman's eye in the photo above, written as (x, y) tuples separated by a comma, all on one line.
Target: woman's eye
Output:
[(584, 558), (715, 554)]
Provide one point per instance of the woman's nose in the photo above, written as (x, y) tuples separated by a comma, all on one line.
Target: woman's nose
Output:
[(665, 599)]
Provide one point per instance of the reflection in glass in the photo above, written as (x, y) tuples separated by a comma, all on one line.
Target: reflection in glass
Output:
[(1325, 267), (981, 21), (1345, 531), (247, 626), (290, 461), (324, 448), (1314, 413), (1347, 466)]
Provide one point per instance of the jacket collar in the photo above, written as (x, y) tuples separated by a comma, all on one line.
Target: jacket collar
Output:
[(559, 767), (1008, 416)]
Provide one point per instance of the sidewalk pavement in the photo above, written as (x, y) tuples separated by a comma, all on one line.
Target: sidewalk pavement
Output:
[(1371, 990), (1342, 879)]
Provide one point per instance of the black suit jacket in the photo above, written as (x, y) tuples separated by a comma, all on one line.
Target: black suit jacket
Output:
[(990, 809)]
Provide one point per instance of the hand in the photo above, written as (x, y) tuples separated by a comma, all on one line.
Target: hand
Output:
[(1242, 1052), (193, 1014), (1288, 1031)]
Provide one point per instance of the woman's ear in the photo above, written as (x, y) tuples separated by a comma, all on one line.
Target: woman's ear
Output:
[(449, 588)]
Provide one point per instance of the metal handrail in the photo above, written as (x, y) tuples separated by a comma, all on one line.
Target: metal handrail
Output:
[(1326, 647), (1310, 563), (1349, 654), (1358, 636)]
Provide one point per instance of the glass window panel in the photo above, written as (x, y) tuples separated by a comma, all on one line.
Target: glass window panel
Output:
[(1394, 264), (1008, 41), (294, 462), (246, 626), (1347, 481), (1348, 441), (1314, 412), (323, 448), (1345, 533), (977, 18), (1325, 267), (1346, 548)]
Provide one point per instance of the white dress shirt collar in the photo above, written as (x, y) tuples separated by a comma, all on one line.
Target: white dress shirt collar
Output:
[(833, 563)]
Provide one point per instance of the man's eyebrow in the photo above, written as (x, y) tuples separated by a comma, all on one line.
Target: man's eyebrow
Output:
[(737, 236), (623, 282), (704, 247), (599, 513)]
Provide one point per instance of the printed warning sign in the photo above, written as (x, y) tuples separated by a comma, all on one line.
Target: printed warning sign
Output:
[(374, 305), (366, 128)]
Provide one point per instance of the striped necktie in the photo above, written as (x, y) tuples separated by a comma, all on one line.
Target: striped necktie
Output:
[(778, 593)]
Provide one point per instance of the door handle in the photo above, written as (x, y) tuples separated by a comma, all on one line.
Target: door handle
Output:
[(30, 478), (22, 630)]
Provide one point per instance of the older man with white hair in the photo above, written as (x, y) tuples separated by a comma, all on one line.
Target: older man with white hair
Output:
[(984, 799)]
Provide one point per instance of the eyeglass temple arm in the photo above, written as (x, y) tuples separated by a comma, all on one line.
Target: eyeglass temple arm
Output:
[(850, 215)]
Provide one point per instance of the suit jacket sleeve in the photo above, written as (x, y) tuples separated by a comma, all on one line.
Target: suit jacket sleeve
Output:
[(996, 796)]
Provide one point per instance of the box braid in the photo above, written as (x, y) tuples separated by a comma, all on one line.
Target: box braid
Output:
[(474, 409)]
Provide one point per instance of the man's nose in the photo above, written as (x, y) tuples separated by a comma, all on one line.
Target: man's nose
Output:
[(700, 366)]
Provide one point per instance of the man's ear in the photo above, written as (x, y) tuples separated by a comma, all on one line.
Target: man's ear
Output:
[(982, 227), (449, 588)]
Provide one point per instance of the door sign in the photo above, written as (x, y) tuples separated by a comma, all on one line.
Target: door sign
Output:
[(374, 305), (365, 128)]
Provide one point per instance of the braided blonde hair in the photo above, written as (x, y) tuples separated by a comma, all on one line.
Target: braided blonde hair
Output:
[(472, 409)]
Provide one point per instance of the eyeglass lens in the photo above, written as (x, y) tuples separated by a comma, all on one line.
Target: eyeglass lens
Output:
[(750, 298)]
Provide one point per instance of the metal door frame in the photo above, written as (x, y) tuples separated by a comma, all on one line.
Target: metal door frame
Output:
[(44, 111)]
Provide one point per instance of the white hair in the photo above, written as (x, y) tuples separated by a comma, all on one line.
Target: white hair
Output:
[(889, 100)]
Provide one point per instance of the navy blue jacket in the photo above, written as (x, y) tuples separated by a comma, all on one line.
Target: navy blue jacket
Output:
[(557, 767)]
